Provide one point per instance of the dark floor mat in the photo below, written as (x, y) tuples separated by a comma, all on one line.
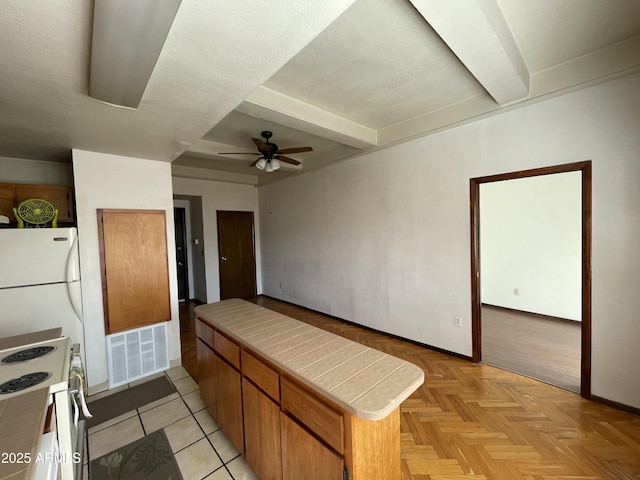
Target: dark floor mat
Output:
[(148, 458), (114, 405)]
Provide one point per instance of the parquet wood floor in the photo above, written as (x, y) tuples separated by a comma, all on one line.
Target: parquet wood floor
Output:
[(471, 421)]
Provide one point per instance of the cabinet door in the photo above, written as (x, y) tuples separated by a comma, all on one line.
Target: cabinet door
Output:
[(207, 376), (135, 275), (262, 433), (58, 196), (305, 457), (7, 201), (229, 403)]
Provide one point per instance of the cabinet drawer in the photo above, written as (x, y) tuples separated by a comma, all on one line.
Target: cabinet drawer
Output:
[(322, 420), (204, 332), (227, 349), (262, 375)]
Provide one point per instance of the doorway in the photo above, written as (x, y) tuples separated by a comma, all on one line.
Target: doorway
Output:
[(585, 261), (236, 254), (196, 282), (180, 227)]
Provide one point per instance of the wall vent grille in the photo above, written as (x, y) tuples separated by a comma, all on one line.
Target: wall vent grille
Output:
[(137, 353)]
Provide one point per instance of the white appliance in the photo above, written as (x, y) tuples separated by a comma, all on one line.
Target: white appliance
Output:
[(40, 282), (47, 364)]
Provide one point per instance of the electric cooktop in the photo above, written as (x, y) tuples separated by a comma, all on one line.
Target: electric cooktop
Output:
[(37, 365)]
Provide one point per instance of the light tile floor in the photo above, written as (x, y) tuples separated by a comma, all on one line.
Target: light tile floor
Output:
[(200, 447)]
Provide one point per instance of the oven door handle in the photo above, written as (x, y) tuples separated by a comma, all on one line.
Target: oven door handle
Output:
[(76, 411)]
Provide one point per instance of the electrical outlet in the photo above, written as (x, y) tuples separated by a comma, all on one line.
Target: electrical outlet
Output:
[(516, 291), (457, 321)]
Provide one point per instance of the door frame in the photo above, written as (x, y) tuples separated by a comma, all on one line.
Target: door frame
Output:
[(474, 201)]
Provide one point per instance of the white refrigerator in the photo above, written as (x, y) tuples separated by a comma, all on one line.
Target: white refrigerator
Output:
[(40, 282)]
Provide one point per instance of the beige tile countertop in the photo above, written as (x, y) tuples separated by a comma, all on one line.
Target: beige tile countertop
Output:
[(22, 421), (365, 382)]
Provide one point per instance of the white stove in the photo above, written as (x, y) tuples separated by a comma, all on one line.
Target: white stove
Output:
[(46, 365), (36, 365)]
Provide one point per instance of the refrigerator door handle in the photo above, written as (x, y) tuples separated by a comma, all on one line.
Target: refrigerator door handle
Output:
[(75, 295), (73, 262)]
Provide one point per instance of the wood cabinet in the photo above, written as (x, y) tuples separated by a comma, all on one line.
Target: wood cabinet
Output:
[(303, 456), (286, 430), (319, 418), (229, 389), (61, 197), (135, 275), (229, 403), (262, 432), (7, 201), (207, 376)]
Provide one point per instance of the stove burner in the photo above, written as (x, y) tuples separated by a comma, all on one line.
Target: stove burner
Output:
[(23, 382), (28, 354)]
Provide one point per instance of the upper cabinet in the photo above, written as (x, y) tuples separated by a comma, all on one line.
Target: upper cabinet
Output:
[(61, 197), (135, 277)]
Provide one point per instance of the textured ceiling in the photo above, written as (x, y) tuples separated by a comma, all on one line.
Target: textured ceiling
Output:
[(343, 76)]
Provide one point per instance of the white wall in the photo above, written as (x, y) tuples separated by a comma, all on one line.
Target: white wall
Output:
[(111, 181), (39, 172), (220, 196), (384, 240), (531, 244)]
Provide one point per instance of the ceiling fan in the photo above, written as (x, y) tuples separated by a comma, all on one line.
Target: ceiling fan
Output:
[(271, 153)]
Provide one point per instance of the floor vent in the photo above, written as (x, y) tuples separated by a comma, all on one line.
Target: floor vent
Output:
[(137, 353)]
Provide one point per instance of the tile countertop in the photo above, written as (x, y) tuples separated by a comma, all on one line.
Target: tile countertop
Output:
[(22, 421), (366, 382)]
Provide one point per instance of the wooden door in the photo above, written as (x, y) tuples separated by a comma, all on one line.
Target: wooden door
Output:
[(135, 277), (180, 228), (305, 457), (262, 433), (229, 403), (236, 251)]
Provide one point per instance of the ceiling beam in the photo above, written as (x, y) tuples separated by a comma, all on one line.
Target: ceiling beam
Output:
[(277, 107), (477, 33)]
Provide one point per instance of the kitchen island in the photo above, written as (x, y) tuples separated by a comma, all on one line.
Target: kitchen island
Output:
[(298, 401)]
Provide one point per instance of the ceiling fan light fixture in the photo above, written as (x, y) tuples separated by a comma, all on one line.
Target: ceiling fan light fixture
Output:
[(262, 163), (275, 164), (269, 168)]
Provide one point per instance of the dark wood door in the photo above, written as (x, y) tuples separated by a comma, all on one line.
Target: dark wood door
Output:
[(236, 255), (181, 253)]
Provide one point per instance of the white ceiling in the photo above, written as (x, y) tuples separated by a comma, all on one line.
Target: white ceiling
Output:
[(342, 76)]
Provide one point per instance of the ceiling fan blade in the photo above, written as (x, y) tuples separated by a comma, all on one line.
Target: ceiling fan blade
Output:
[(284, 159), (253, 164), (237, 153), (295, 150), (262, 147)]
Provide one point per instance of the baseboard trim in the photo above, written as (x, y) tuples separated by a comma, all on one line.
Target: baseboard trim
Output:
[(533, 314), (616, 405), (387, 334)]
